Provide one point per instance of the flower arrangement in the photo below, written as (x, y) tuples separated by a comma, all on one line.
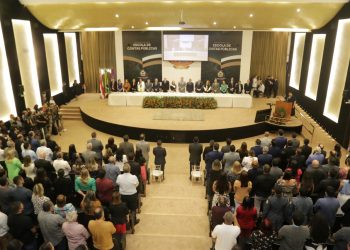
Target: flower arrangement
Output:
[(180, 102)]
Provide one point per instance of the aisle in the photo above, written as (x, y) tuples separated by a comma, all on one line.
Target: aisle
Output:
[(173, 214)]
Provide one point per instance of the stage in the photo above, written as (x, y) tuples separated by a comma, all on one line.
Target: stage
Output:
[(176, 125)]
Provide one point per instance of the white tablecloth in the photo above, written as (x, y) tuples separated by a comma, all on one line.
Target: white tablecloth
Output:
[(223, 100)]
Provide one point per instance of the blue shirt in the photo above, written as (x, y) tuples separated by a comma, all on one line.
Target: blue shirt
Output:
[(328, 206), (31, 153)]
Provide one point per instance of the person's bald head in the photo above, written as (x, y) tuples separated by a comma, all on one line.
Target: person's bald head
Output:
[(315, 164)]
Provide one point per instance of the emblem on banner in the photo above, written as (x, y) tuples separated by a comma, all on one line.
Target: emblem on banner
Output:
[(143, 73), (221, 74)]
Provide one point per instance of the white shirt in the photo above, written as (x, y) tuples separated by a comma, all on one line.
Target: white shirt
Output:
[(3, 224), (127, 183), (61, 164), (247, 162), (47, 151), (30, 170), (2, 155), (226, 236)]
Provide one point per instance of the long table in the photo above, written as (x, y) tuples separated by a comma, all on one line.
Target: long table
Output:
[(223, 100)]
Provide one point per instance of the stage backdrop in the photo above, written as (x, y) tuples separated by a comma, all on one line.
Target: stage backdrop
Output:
[(224, 56), (142, 55)]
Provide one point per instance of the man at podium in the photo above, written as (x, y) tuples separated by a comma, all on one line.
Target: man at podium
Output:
[(291, 99)]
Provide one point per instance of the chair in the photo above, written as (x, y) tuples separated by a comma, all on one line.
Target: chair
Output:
[(157, 173), (196, 173)]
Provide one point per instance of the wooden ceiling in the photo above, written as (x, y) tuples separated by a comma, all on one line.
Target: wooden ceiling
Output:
[(208, 15)]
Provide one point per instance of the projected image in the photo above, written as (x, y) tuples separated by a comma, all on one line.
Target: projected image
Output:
[(185, 47)]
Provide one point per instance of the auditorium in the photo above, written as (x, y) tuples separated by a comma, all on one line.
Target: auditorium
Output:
[(174, 124)]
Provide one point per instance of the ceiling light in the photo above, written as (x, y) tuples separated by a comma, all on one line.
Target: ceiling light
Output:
[(298, 9), (290, 30), (146, 23), (234, 27), (116, 15), (214, 23), (102, 29), (251, 15), (164, 28), (132, 26)]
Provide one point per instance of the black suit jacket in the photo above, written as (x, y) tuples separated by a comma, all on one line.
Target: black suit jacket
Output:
[(135, 168), (159, 154), (165, 86), (195, 150), (190, 87)]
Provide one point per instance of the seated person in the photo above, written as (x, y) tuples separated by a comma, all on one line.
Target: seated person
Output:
[(120, 85), (239, 87), (173, 86), (133, 87), (140, 86), (148, 86), (207, 87), (156, 85), (224, 87), (216, 86), (199, 87), (189, 86), (127, 86)]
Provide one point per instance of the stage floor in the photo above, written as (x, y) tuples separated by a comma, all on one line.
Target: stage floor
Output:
[(176, 119)]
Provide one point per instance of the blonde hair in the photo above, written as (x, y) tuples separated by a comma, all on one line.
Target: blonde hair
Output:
[(84, 176), (10, 154), (38, 190), (237, 167), (71, 216)]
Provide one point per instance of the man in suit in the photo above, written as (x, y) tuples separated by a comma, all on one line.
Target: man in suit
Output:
[(226, 148), (189, 86), (212, 156), (156, 85), (280, 140), (257, 148), (88, 153), (97, 146), (295, 141), (231, 86), (265, 157), (209, 148), (195, 149), (148, 86), (199, 87), (165, 85), (144, 147), (306, 149), (238, 87), (126, 147), (159, 156), (182, 85)]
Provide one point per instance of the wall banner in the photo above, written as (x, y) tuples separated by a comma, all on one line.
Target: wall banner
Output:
[(224, 56), (142, 55)]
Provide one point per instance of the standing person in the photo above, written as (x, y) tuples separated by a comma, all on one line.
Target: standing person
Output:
[(276, 209), (144, 146), (241, 187), (266, 140), (229, 158), (208, 148), (97, 146), (275, 87), (21, 227), (159, 156), (328, 206), (60, 163), (165, 85), (127, 187), (126, 147), (38, 198), (182, 85), (302, 203), (22, 194), (291, 99), (246, 216), (225, 235), (51, 226), (226, 148), (190, 86), (13, 164), (104, 187), (4, 236), (119, 212), (101, 231), (264, 237), (293, 237), (76, 233), (195, 149)]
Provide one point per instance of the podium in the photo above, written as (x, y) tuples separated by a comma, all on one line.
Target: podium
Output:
[(282, 112)]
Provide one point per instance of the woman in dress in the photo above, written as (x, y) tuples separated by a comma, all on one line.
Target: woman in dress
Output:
[(242, 187), (243, 150), (264, 238), (173, 86), (248, 160), (288, 185), (221, 187), (72, 154), (246, 217), (127, 85), (119, 213)]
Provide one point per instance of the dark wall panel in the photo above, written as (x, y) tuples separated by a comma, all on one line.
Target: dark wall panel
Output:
[(341, 130)]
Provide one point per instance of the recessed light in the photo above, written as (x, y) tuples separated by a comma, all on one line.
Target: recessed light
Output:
[(298, 9), (251, 15), (234, 27), (214, 23), (132, 26), (146, 23), (116, 15)]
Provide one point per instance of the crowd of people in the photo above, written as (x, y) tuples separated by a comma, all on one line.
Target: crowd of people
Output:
[(254, 86), (50, 199), (277, 194)]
